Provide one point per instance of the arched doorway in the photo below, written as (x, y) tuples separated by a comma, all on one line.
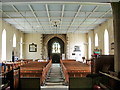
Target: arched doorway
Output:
[(55, 49)]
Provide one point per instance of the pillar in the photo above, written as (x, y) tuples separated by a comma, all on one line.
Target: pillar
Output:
[(116, 24)]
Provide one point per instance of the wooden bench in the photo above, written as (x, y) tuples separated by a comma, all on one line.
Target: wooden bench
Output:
[(109, 82), (30, 83), (74, 69), (10, 74), (11, 79), (104, 63), (80, 83), (35, 69)]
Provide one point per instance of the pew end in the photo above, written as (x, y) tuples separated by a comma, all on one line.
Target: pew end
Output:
[(30, 83)]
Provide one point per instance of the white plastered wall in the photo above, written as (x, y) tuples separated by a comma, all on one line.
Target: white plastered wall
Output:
[(76, 40), (36, 39), (100, 31), (10, 31)]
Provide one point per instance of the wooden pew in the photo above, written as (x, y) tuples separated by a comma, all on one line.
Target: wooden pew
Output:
[(109, 82), (8, 66), (104, 63), (72, 68), (10, 74), (35, 69), (90, 82), (11, 79), (30, 83), (80, 83)]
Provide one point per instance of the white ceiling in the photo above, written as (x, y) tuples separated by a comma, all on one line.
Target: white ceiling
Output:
[(56, 17)]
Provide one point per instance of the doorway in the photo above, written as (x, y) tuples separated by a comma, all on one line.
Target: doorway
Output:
[(55, 49)]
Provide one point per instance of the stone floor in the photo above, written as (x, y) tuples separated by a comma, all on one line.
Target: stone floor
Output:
[(55, 79)]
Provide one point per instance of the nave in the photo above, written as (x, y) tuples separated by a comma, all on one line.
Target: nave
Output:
[(66, 75), (83, 37)]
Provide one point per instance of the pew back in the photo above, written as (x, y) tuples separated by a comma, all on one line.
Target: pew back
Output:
[(30, 83), (80, 83), (104, 63), (74, 69)]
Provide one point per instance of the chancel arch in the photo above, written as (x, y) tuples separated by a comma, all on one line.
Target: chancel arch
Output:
[(55, 49), (47, 38)]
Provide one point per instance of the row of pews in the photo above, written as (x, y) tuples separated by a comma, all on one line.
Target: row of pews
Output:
[(102, 77), (23, 74), (73, 68), (29, 74), (36, 69), (10, 74)]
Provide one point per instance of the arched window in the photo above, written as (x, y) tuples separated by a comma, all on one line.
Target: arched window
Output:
[(3, 45), (14, 40), (106, 42), (21, 47), (56, 47), (96, 40), (89, 47)]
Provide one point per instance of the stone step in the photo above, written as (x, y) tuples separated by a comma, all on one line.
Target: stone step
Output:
[(54, 84), (54, 80), (55, 74), (60, 77), (54, 77), (55, 87)]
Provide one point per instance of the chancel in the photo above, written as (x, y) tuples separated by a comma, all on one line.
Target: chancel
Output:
[(60, 45)]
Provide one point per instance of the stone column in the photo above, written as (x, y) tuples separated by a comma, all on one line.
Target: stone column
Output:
[(116, 23)]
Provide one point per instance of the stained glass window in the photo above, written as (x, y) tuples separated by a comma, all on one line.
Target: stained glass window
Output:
[(56, 47)]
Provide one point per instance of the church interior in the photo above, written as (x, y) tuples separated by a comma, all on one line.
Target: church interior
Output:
[(59, 45)]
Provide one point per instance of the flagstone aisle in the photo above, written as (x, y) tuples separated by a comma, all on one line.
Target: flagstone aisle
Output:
[(55, 79)]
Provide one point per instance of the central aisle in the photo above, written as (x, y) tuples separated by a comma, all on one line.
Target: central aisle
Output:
[(55, 79)]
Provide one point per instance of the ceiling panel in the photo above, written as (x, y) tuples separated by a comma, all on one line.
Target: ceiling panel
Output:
[(69, 14), (71, 7), (67, 17), (7, 8), (83, 14), (38, 7), (43, 20), (55, 7), (95, 15), (22, 7), (21, 20), (103, 8), (27, 14), (90, 20), (88, 8), (13, 14), (41, 14), (56, 14), (107, 15), (68, 20), (4, 15), (31, 19)]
